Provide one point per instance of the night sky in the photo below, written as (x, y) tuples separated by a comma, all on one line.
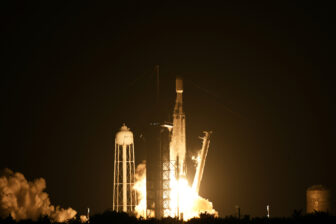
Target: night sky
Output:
[(259, 75)]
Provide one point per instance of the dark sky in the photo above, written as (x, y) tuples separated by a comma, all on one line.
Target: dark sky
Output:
[(258, 75)]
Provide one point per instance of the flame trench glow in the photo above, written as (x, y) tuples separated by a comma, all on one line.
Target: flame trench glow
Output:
[(183, 197)]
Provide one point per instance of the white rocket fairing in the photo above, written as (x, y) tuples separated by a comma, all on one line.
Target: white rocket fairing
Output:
[(178, 139)]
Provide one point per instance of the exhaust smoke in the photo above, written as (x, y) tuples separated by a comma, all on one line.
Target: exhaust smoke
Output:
[(22, 199), (190, 203)]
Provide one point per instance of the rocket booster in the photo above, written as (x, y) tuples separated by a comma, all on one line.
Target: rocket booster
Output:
[(178, 140)]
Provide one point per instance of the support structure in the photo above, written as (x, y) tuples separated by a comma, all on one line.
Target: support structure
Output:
[(158, 171), (201, 162), (124, 196), (158, 164)]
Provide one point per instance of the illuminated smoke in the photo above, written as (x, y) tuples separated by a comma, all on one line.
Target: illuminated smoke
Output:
[(196, 159), (140, 187), (83, 218), (190, 203), (185, 199), (24, 199)]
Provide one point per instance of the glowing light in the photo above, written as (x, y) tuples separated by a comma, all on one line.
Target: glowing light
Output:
[(83, 219), (140, 187), (182, 198)]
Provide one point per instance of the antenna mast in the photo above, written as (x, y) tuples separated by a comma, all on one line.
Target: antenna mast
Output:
[(157, 69)]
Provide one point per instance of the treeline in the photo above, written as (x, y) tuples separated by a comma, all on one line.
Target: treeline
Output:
[(110, 217)]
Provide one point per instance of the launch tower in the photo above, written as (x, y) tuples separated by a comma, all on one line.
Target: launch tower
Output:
[(158, 163), (158, 171)]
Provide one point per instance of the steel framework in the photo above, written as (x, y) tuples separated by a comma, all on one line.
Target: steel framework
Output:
[(124, 196)]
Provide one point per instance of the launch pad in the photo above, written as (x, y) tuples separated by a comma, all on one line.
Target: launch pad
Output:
[(165, 191), (166, 164)]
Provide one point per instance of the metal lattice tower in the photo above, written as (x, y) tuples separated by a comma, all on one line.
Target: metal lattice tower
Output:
[(158, 171), (124, 196), (166, 168)]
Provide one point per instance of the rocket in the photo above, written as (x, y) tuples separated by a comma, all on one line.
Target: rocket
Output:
[(178, 138)]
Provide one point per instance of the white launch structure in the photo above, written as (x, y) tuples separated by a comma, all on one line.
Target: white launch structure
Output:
[(178, 139), (124, 196), (201, 162)]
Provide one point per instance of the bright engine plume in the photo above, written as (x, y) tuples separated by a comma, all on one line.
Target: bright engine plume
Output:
[(189, 203), (22, 199)]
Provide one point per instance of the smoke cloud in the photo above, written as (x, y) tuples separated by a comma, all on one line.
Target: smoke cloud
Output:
[(83, 218), (191, 204), (24, 199), (140, 187)]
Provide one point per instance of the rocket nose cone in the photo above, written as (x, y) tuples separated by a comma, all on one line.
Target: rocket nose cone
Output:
[(179, 85)]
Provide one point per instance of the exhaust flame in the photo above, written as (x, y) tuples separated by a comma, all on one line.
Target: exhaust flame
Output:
[(182, 194), (140, 187), (196, 159), (190, 203), (24, 199)]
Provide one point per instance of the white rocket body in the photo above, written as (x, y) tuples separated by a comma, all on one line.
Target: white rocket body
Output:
[(178, 140)]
